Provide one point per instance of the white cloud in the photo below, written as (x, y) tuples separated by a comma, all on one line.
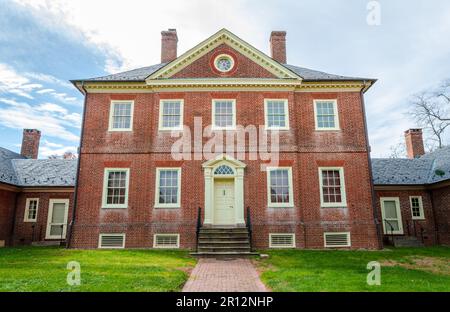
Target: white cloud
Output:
[(51, 119), (43, 91), (129, 33), (12, 82), (49, 149), (48, 79)]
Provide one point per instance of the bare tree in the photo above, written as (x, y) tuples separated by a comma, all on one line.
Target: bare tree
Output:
[(431, 110), (69, 155), (397, 150), (66, 155)]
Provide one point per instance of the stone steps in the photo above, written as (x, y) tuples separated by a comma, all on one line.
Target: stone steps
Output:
[(223, 241), (407, 241)]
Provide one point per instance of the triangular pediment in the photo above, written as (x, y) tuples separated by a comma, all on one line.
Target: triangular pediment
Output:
[(223, 159), (220, 38)]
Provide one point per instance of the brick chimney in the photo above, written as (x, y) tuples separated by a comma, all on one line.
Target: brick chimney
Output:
[(30, 143), (414, 143), (169, 40), (278, 46)]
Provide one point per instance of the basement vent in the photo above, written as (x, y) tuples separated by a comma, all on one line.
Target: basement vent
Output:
[(166, 241), (281, 240), (335, 239), (112, 241)]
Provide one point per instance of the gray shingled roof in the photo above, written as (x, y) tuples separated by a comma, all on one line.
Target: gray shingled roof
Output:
[(7, 172), (418, 171), (140, 74), (17, 170), (314, 75), (45, 172)]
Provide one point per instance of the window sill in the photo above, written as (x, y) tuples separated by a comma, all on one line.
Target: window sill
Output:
[(166, 207), (344, 206), (114, 207), (276, 129), (120, 130), (418, 219), (280, 206), (170, 129), (30, 221), (328, 129)]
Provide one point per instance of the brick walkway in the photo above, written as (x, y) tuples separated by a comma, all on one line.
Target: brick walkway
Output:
[(224, 275)]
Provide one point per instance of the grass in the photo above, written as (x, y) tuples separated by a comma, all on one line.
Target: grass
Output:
[(44, 269), (402, 269)]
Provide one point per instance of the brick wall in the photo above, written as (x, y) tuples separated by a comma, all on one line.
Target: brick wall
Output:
[(301, 147), (413, 226), (441, 201), (7, 200), (23, 231)]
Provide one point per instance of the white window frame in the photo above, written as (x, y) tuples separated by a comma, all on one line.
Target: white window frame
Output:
[(343, 202), (294, 244), (290, 204), (52, 201), (160, 123), (213, 119), (111, 111), (266, 116), (111, 234), (27, 209), (336, 115), (349, 239), (422, 214), (173, 205), (105, 205), (166, 234), (399, 214)]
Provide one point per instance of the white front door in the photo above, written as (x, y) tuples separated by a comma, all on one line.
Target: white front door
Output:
[(224, 202), (57, 219), (391, 214)]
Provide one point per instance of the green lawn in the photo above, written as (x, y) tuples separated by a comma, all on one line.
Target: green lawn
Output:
[(402, 269), (44, 269)]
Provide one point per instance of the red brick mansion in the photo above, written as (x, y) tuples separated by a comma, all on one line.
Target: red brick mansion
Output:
[(225, 149)]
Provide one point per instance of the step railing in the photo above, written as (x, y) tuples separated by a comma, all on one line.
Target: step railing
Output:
[(392, 230), (198, 226), (249, 228)]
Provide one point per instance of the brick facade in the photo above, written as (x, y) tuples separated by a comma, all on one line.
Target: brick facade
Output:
[(27, 232), (441, 204), (7, 204), (301, 147), (412, 227)]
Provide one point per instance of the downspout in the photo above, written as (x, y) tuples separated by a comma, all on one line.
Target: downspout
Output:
[(75, 194), (369, 160)]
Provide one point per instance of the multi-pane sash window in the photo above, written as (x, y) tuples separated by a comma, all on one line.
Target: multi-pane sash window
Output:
[(332, 188), (277, 115), (115, 192), (224, 114), (416, 207), (171, 115), (121, 116), (280, 187), (168, 187), (326, 115), (31, 209)]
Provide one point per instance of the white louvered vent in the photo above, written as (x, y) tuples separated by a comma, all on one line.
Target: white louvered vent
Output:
[(335, 239), (281, 240), (166, 241), (112, 241)]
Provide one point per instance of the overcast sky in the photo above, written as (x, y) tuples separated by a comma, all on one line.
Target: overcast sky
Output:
[(43, 44)]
